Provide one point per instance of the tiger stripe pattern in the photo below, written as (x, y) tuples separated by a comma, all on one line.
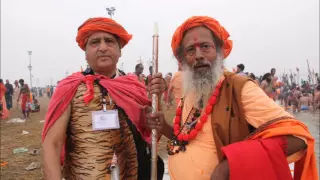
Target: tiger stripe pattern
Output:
[(89, 153)]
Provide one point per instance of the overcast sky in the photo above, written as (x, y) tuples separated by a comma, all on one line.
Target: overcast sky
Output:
[(266, 33)]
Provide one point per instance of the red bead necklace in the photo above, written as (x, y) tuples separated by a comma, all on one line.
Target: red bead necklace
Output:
[(203, 118)]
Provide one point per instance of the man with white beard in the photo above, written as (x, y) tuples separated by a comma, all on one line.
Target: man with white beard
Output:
[(225, 126)]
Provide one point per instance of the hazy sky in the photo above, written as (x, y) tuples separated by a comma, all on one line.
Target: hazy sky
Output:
[(266, 33)]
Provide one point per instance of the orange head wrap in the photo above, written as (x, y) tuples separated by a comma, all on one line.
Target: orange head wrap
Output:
[(208, 22), (101, 24)]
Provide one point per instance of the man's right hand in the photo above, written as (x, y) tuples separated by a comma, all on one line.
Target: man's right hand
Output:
[(154, 120), (157, 121)]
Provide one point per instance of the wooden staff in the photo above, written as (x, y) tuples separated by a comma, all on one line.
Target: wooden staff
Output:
[(155, 106)]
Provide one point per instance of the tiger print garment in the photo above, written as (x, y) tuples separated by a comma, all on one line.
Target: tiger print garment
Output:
[(89, 153)]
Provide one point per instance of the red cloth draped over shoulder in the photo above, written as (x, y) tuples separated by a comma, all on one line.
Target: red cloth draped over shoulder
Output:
[(126, 91), (262, 156)]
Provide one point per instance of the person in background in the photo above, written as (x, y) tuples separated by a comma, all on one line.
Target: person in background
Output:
[(317, 97), (253, 77), (175, 88), (305, 101), (138, 73), (9, 94), (25, 98), (4, 112), (240, 69), (296, 99), (274, 79), (165, 93), (266, 84)]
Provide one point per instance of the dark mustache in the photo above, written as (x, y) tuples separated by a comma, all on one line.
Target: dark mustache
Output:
[(103, 55), (201, 64)]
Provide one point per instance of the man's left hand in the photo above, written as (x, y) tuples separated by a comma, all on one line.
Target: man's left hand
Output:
[(157, 84), (221, 172)]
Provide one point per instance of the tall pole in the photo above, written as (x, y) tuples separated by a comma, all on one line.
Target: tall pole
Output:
[(155, 106), (121, 67), (30, 67), (111, 11), (309, 71)]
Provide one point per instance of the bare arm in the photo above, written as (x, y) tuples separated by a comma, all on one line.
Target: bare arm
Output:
[(253, 97), (263, 85), (52, 146)]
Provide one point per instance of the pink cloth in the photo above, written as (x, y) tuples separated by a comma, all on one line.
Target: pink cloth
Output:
[(126, 91)]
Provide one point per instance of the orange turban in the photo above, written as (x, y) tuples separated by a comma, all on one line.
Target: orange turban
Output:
[(101, 24), (208, 22)]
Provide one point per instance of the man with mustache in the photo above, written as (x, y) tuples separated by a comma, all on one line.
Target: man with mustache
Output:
[(95, 124), (225, 126)]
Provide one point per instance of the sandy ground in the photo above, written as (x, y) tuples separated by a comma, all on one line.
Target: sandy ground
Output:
[(12, 137)]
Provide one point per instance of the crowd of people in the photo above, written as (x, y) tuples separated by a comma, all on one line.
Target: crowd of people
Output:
[(299, 97), (222, 117), (20, 94)]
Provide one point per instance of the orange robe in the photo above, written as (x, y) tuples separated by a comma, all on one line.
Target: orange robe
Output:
[(5, 112), (200, 158)]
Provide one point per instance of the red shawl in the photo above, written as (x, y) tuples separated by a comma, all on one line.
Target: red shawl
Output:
[(262, 156), (126, 91), (258, 159)]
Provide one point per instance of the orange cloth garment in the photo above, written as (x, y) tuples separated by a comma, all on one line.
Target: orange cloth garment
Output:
[(208, 22), (5, 112), (200, 158), (101, 24), (305, 168), (3, 90)]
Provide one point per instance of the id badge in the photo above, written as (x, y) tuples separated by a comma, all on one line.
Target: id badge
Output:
[(102, 120)]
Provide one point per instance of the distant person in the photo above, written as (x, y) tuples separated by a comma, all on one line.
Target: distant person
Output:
[(305, 101), (25, 95), (48, 92), (9, 94), (16, 93), (149, 77), (175, 89), (253, 77), (273, 83), (35, 105), (138, 72), (266, 85), (4, 113), (240, 69), (167, 78), (317, 97), (296, 93)]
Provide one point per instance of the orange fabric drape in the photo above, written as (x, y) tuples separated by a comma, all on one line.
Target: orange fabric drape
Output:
[(305, 168), (5, 112)]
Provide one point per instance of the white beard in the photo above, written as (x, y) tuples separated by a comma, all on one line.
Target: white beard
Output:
[(201, 83)]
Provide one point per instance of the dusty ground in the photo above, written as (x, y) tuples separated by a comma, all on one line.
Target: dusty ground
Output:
[(11, 138)]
